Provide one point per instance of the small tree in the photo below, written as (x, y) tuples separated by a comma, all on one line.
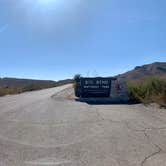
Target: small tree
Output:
[(77, 87), (77, 77)]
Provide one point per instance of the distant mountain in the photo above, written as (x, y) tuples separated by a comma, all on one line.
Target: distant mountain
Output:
[(15, 82), (15, 85), (148, 70)]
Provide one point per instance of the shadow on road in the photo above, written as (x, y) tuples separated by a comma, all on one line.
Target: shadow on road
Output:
[(103, 101)]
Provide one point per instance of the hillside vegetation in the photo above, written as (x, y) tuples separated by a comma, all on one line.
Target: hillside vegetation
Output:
[(148, 90), (21, 89), (15, 86)]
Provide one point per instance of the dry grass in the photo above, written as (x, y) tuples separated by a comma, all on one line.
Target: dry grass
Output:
[(16, 90), (149, 90), (7, 91)]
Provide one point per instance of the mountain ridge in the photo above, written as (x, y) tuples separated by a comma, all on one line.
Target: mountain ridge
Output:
[(156, 69)]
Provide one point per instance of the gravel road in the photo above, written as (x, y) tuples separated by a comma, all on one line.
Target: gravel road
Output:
[(41, 129)]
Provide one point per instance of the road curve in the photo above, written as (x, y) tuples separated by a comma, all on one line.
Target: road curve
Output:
[(37, 129)]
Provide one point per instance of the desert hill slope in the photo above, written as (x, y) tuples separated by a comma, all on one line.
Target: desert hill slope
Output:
[(157, 69), (15, 82), (15, 85)]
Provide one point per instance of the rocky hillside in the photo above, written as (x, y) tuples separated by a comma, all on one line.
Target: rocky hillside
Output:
[(149, 70)]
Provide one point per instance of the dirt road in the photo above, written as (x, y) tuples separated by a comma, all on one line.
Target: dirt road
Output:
[(41, 129)]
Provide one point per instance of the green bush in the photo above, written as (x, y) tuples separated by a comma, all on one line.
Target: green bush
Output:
[(148, 90)]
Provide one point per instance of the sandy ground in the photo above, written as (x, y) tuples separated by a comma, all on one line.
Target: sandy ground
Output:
[(48, 128)]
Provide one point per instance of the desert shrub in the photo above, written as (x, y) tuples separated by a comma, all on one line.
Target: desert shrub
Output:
[(148, 90)]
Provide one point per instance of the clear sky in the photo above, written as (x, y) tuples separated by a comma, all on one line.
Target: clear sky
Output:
[(55, 39)]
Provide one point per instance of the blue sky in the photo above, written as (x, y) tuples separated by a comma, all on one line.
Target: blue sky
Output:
[(55, 39)]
